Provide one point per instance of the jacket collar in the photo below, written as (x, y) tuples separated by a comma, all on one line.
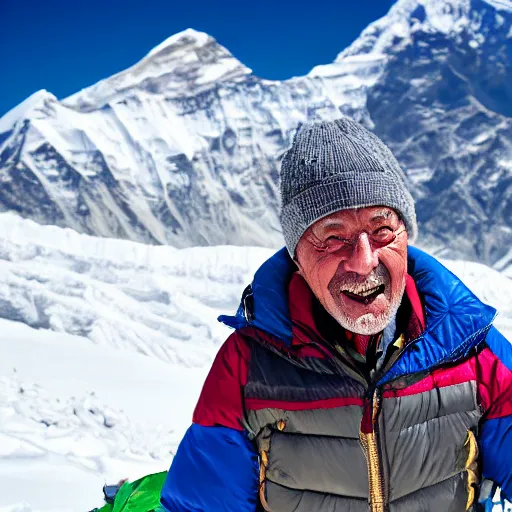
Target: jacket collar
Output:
[(302, 307), (456, 320)]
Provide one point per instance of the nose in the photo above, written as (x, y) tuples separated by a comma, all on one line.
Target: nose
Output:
[(363, 258)]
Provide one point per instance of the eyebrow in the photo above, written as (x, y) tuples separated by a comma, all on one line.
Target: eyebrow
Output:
[(382, 215), (332, 224)]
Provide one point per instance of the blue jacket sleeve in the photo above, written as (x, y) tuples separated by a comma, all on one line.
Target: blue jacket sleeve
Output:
[(496, 434), (215, 470)]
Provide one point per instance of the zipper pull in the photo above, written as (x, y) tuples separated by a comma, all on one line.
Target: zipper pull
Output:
[(376, 405)]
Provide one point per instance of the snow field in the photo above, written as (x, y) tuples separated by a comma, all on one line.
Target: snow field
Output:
[(74, 415)]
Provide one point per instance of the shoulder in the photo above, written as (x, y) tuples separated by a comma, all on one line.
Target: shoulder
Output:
[(221, 399), (500, 346)]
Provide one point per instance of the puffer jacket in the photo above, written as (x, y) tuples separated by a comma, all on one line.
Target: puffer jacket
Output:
[(285, 423)]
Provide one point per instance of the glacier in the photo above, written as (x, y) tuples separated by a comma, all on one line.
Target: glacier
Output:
[(183, 148)]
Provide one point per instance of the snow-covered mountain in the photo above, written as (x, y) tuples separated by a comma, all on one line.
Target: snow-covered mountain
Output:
[(105, 346), (183, 147)]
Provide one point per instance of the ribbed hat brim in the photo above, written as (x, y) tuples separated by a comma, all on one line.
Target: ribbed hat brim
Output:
[(347, 191)]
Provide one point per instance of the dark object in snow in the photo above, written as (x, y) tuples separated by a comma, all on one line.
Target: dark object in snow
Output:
[(110, 491)]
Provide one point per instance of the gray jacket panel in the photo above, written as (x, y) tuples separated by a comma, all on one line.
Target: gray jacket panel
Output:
[(447, 496), (282, 499), (339, 422), (322, 464)]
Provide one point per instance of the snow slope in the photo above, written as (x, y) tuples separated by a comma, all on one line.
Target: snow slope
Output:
[(74, 415), (101, 369)]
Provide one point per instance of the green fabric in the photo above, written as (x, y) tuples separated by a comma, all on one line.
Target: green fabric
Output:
[(143, 495)]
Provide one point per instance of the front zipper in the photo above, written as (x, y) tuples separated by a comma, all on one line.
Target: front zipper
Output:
[(369, 432), (369, 436)]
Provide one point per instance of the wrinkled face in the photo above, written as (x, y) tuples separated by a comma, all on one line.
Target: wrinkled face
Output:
[(355, 262)]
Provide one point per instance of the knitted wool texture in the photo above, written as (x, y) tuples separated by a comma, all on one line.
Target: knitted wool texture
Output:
[(334, 166)]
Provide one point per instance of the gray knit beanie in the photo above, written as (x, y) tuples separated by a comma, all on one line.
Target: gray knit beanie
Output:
[(334, 166)]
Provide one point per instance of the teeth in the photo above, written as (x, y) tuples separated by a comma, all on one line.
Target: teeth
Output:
[(361, 292), (368, 292)]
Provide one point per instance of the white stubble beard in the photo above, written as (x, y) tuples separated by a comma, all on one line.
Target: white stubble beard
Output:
[(368, 323)]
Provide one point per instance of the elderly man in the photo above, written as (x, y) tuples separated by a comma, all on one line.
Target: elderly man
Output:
[(362, 374)]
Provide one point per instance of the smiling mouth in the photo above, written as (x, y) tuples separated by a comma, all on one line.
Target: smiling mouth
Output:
[(366, 296)]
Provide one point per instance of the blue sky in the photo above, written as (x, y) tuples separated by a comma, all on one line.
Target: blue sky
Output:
[(64, 46)]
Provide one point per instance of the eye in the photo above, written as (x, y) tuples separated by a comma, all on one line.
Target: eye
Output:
[(334, 238), (383, 234), (335, 243)]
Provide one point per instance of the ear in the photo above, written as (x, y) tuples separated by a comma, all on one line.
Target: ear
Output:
[(298, 265)]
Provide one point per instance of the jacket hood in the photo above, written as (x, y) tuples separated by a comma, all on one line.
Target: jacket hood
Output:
[(456, 320)]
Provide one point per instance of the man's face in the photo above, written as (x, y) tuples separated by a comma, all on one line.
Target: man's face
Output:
[(356, 275)]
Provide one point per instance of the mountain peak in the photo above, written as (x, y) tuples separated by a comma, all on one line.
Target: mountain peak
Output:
[(188, 36), (22, 110), (387, 34), (183, 64), (406, 21), (406, 17)]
